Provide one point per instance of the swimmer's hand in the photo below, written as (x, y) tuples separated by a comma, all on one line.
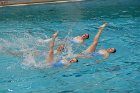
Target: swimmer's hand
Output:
[(55, 35), (82, 56)]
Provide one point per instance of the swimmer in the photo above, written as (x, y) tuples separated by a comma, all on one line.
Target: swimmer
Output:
[(90, 51), (75, 40), (60, 48), (50, 57), (80, 39)]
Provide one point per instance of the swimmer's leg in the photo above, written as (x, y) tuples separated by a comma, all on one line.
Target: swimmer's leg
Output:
[(93, 46), (17, 54), (50, 57)]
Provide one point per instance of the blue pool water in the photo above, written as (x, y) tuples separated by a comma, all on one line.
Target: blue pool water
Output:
[(24, 28)]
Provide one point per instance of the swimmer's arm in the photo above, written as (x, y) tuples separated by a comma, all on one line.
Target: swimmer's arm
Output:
[(99, 61), (65, 60), (67, 64), (18, 54), (104, 57), (83, 56)]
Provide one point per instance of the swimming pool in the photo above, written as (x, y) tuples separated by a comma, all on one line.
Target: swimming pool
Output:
[(21, 27)]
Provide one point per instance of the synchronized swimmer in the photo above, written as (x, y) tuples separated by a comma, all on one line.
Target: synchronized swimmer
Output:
[(89, 52)]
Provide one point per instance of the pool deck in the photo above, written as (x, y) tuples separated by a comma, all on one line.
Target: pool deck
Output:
[(4, 3)]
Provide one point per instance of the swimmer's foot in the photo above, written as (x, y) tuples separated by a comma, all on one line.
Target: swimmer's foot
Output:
[(103, 26), (53, 39), (55, 35)]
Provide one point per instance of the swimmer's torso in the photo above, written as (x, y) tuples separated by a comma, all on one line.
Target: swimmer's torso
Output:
[(102, 53), (77, 39), (60, 63)]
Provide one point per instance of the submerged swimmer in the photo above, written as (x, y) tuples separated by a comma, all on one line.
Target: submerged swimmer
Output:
[(90, 51), (50, 58)]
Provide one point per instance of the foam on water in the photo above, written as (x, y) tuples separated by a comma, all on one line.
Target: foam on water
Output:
[(32, 49)]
